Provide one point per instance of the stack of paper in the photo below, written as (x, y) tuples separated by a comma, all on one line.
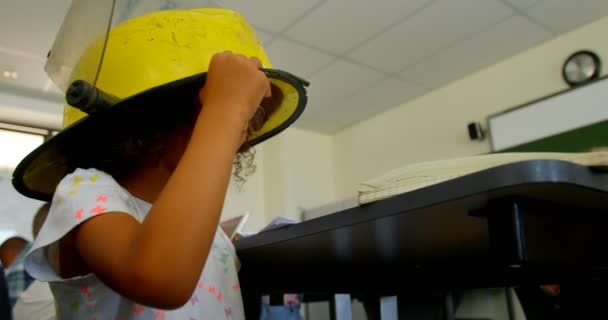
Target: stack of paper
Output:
[(419, 175)]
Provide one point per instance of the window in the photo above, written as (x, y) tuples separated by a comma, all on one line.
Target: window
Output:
[(16, 142)]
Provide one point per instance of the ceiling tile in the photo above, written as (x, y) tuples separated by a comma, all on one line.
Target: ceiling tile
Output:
[(358, 21), (332, 116), (296, 58), (127, 9), (437, 26), (385, 94), (523, 4), (30, 71), (264, 37), (322, 125), (331, 86), (29, 26), (341, 79), (565, 15), (317, 116), (51, 88), (497, 43), (271, 15)]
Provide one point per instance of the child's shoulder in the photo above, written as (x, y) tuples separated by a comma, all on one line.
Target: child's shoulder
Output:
[(86, 193), (85, 179)]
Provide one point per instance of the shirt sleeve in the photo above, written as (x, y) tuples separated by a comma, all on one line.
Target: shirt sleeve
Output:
[(84, 194)]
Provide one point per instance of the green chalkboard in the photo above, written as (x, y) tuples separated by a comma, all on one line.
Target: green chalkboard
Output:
[(577, 140)]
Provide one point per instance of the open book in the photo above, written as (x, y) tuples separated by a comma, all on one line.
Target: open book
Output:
[(419, 175)]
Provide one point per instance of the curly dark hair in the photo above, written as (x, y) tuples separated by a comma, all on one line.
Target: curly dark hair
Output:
[(243, 164)]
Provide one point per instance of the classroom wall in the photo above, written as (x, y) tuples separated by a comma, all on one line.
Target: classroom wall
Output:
[(434, 125), (299, 171), (294, 172)]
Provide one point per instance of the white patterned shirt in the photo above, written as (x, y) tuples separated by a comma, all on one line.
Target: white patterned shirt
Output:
[(87, 193)]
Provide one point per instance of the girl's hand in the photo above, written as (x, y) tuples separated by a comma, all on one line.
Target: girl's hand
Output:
[(234, 88)]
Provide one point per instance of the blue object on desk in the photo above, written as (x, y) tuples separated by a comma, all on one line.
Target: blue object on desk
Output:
[(285, 312), (281, 307)]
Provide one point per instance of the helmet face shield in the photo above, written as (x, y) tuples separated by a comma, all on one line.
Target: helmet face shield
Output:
[(85, 28), (86, 22)]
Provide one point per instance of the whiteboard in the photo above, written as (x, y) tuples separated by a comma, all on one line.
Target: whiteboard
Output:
[(550, 116)]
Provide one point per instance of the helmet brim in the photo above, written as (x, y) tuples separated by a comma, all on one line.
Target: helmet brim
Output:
[(39, 173)]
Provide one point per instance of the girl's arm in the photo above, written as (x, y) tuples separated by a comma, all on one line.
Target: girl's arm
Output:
[(158, 262)]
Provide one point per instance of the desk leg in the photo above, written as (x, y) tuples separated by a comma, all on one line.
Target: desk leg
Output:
[(449, 306), (252, 302), (341, 307), (418, 305)]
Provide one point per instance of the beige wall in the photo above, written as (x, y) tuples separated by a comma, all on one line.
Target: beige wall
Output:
[(434, 126), (294, 172), (299, 171)]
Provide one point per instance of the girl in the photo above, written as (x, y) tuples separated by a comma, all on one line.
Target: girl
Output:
[(133, 231)]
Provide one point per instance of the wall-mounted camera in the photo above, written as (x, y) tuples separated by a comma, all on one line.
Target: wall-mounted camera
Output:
[(476, 131)]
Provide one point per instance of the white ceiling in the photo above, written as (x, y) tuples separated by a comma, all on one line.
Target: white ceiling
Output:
[(361, 56)]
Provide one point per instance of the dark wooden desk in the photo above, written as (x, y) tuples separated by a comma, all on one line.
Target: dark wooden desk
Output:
[(522, 224)]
